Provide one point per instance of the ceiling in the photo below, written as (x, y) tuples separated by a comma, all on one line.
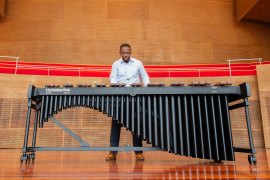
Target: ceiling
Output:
[(253, 9)]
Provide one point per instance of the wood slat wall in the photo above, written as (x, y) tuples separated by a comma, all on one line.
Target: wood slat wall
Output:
[(264, 91), (160, 31), (93, 126)]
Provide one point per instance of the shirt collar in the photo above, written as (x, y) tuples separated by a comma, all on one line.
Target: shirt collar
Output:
[(131, 60)]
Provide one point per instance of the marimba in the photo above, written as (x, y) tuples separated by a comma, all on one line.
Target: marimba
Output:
[(185, 120)]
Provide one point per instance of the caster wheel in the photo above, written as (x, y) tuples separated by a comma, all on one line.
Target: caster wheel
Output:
[(32, 156), (252, 159), (24, 157), (27, 158)]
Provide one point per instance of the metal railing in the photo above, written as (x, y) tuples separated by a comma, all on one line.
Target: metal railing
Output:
[(169, 70), (243, 59), (13, 57)]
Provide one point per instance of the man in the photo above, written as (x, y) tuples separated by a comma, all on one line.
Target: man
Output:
[(126, 70)]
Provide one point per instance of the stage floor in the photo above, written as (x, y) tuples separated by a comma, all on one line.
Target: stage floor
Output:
[(157, 165)]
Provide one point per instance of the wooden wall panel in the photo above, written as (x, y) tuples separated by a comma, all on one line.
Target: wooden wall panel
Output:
[(90, 10), (161, 10), (264, 91), (2, 8), (201, 32), (190, 52), (5, 30), (34, 10), (64, 29), (94, 126), (60, 51), (241, 35), (261, 51), (32, 30), (210, 12), (228, 51), (118, 30), (122, 9), (263, 41), (160, 31)]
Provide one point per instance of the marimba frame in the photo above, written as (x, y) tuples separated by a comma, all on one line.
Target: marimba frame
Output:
[(157, 106)]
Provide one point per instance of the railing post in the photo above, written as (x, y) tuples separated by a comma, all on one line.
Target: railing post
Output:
[(16, 67), (230, 69)]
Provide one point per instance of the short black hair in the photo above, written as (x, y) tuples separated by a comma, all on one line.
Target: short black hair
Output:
[(125, 45)]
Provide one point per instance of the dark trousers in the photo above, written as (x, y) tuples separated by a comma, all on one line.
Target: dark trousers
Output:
[(115, 137)]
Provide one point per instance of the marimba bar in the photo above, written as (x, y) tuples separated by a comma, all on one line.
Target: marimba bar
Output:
[(185, 120)]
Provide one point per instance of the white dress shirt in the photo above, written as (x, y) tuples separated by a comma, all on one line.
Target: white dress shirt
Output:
[(128, 73)]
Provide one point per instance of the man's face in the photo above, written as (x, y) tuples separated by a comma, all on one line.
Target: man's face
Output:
[(125, 53)]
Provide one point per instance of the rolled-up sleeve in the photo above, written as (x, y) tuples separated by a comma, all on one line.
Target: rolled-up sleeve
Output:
[(113, 75), (144, 75)]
